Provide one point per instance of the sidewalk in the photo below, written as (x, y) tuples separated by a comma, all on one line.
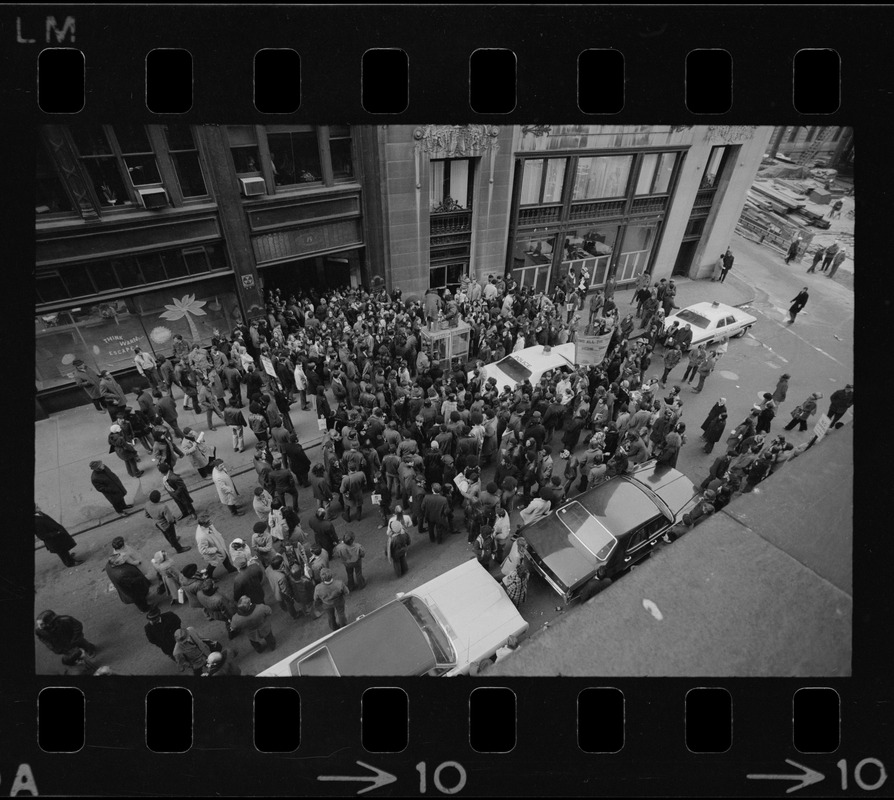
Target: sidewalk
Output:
[(66, 443)]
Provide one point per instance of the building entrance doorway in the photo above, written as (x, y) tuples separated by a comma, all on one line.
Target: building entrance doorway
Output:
[(684, 258)]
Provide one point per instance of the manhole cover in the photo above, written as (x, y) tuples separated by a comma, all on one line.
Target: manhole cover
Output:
[(730, 376)]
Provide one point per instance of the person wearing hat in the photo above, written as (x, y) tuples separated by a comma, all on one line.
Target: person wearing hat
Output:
[(254, 618), (781, 390), (802, 412), (251, 576), (220, 665), (839, 402), (119, 445), (160, 630), (88, 379), (211, 545), (61, 633), (330, 596), (198, 453), (175, 486), (54, 537), (113, 397), (765, 417), (109, 485), (190, 650), (798, 302), (164, 520), (127, 577), (226, 489)]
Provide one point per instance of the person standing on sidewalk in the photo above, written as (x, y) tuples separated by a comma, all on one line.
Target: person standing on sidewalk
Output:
[(164, 520), (226, 489), (233, 417), (671, 358), (352, 555), (212, 546), (728, 259), (55, 538), (255, 619), (798, 304), (175, 486), (119, 445), (113, 397), (146, 366), (109, 485), (88, 379), (839, 403), (160, 630), (831, 250), (817, 257), (837, 261)]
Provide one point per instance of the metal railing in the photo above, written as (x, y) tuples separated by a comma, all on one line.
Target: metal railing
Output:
[(539, 215), (596, 209), (451, 222)]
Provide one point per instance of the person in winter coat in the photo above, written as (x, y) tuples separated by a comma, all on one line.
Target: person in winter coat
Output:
[(798, 303), (216, 605), (398, 541), (226, 489), (55, 538), (197, 452), (801, 413), (538, 508), (716, 410), (88, 379), (109, 485), (164, 451), (190, 651), (765, 417), (714, 430), (671, 358), (61, 634), (233, 417), (190, 582), (128, 579), (164, 520), (837, 262), (670, 450), (757, 471), (212, 546), (220, 665), (706, 368), (168, 573), (113, 397), (125, 451), (781, 389), (175, 486)]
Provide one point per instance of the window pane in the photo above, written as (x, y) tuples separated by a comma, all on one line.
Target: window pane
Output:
[(342, 162), (77, 281), (50, 288), (104, 276), (459, 182), (91, 140), (555, 180), (128, 271), (241, 134), (106, 181), (179, 137), (532, 249), (49, 193), (295, 158), (437, 277), (217, 256), (713, 167), (530, 193), (153, 270), (646, 173), (174, 265), (602, 176), (339, 131), (436, 184), (196, 261), (665, 173), (132, 139), (455, 273), (189, 173), (142, 170), (246, 159), (588, 249)]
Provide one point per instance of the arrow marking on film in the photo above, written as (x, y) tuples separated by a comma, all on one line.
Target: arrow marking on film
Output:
[(807, 777), (381, 778)]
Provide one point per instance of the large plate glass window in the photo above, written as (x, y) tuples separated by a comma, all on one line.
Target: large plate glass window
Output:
[(185, 156), (587, 253), (542, 181), (602, 176), (635, 251), (294, 154), (655, 173), (532, 258)]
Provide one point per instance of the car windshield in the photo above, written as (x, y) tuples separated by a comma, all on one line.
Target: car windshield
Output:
[(591, 533), (317, 663), (514, 369), (693, 319), (434, 633)]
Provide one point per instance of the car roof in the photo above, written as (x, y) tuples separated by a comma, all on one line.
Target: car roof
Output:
[(369, 646), (709, 308)]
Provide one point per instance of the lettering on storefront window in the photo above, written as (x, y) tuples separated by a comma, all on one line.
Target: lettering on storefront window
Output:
[(120, 345)]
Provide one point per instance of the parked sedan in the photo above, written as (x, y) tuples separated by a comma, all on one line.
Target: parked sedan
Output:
[(614, 526), (440, 628), (710, 322), (529, 364)]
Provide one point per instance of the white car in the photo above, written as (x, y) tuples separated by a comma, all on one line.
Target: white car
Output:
[(441, 628), (529, 363), (710, 322)]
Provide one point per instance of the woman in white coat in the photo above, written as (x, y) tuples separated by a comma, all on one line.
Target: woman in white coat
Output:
[(538, 508), (226, 489), (169, 574), (212, 545)]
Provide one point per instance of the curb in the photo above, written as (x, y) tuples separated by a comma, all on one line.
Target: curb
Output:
[(203, 485)]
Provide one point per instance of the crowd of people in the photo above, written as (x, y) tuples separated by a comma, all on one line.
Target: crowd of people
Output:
[(437, 447)]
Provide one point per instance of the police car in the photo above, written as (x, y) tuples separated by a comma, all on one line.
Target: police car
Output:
[(710, 322), (529, 364)]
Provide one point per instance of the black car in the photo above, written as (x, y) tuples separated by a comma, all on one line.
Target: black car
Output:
[(613, 526)]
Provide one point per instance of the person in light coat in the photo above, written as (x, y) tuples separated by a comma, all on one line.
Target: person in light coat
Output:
[(301, 385), (197, 452), (169, 574), (212, 546), (226, 489)]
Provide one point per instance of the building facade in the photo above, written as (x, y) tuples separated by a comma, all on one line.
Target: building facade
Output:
[(831, 145), (144, 232)]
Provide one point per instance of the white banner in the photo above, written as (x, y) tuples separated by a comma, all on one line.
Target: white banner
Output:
[(590, 349)]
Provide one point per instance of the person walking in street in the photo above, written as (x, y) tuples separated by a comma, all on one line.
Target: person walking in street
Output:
[(765, 417), (831, 250), (234, 418), (55, 538), (696, 357), (160, 630), (88, 379), (220, 665), (208, 403), (330, 596), (146, 366), (297, 461), (197, 451), (671, 358), (324, 531), (212, 546), (817, 257), (781, 390), (801, 413), (113, 397), (127, 578), (837, 262), (793, 249), (164, 451), (226, 489), (397, 541), (728, 259), (714, 431), (351, 554), (109, 485), (254, 618), (798, 304), (61, 633), (119, 445), (175, 486), (704, 369), (839, 403), (164, 520), (190, 651), (167, 410)]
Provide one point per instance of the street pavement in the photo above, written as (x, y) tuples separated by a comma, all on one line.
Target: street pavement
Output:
[(808, 350)]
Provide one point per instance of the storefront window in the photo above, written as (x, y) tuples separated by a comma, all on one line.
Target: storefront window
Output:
[(49, 193), (635, 251), (602, 176), (104, 334), (295, 155), (532, 258), (185, 156), (340, 151), (589, 250)]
